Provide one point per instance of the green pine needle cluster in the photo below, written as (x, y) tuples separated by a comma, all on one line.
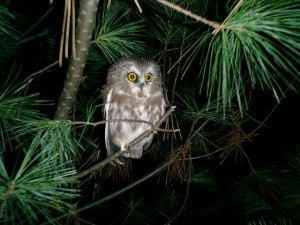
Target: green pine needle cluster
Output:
[(35, 190), (256, 47), (113, 37), (37, 186)]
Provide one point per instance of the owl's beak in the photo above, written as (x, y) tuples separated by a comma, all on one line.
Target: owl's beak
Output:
[(141, 86)]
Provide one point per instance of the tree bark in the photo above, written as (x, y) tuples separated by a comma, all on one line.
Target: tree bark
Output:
[(84, 30)]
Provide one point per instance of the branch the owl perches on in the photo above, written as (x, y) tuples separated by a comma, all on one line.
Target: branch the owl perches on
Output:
[(132, 143)]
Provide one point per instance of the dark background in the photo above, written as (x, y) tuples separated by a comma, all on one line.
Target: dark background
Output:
[(220, 189)]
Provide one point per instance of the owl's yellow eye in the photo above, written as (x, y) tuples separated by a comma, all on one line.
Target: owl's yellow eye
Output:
[(148, 77), (132, 77)]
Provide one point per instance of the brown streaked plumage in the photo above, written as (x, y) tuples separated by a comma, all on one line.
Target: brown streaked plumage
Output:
[(133, 91)]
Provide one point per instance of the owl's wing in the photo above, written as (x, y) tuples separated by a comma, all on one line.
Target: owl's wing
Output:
[(110, 147)]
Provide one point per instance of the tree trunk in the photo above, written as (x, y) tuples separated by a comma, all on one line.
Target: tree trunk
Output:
[(84, 29)]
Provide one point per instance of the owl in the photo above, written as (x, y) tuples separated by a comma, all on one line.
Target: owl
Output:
[(133, 92)]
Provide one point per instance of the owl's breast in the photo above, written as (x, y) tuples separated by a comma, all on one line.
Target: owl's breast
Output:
[(132, 112), (125, 108)]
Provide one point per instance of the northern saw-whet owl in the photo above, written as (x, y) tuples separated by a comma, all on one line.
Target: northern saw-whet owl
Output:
[(134, 91)]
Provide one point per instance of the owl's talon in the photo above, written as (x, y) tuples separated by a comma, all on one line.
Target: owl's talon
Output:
[(125, 148)]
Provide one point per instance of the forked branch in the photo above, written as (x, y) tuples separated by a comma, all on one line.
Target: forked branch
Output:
[(189, 13), (217, 27)]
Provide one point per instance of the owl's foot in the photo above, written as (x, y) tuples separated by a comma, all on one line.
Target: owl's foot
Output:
[(120, 160), (154, 131), (125, 147)]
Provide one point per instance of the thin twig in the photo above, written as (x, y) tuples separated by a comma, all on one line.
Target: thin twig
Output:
[(63, 32), (120, 152), (138, 6), (108, 4), (178, 69), (182, 207), (30, 78), (94, 124), (36, 24), (261, 124), (115, 194), (189, 14), (236, 7), (42, 70), (73, 29), (67, 37), (207, 154)]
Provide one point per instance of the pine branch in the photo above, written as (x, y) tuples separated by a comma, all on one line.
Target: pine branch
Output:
[(115, 194), (257, 45), (37, 190), (115, 35), (236, 7), (86, 19), (102, 122), (189, 14), (132, 143)]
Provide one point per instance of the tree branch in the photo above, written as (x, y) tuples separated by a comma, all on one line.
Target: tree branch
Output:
[(31, 77), (236, 7), (132, 143), (115, 194), (94, 124), (189, 14), (85, 24)]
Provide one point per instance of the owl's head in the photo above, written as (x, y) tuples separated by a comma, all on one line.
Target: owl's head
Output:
[(135, 77)]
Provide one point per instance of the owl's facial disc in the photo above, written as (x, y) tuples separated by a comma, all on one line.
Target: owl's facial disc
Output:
[(140, 80), (140, 88), (141, 85)]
